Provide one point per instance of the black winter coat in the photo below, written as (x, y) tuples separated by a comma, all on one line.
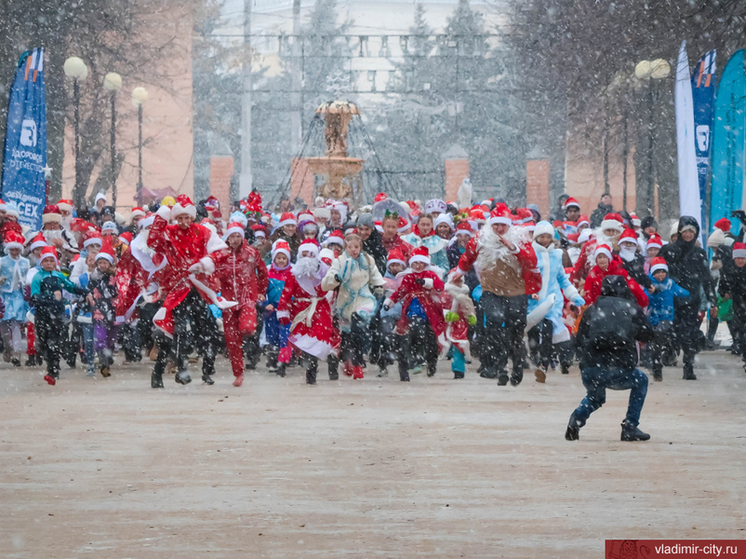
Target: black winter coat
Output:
[(374, 246), (597, 216), (636, 269), (687, 265), (733, 283), (609, 328)]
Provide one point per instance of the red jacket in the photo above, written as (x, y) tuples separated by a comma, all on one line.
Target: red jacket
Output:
[(526, 258), (596, 277), (429, 298), (242, 275), (131, 279), (397, 242)]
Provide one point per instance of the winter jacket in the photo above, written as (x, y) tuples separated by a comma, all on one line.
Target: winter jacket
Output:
[(45, 284), (356, 280), (597, 216), (373, 246), (293, 240), (594, 282), (636, 269), (242, 275), (609, 328), (554, 282), (425, 286), (397, 242), (435, 244), (733, 283), (104, 289), (454, 252), (687, 265), (660, 303), (458, 309)]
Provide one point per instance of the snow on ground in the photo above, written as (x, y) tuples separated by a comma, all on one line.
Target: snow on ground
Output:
[(372, 468)]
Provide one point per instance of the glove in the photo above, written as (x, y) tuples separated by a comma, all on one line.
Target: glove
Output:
[(337, 278), (578, 301), (472, 320), (387, 304), (451, 316), (419, 281)]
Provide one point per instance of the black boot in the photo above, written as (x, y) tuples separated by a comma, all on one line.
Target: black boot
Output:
[(311, 370), (689, 372), (632, 433), (182, 377), (517, 376), (281, 369), (573, 429), (502, 378), (333, 366), (207, 379), (432, 368), (657, 373), (156, 380)]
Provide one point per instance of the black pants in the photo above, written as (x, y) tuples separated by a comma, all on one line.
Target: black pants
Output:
[(419, 340), (130, 339), (660, 346), (686, 325), (195, 327), (356, 342), (503, 337), (145, 324), (51, 337), (383, 341), (737, 326), (312, 367), (540, 344)]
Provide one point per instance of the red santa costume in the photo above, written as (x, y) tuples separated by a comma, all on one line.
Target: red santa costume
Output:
[(596, 277), (305, 305), (243, 279), (189, 252), (587, 260)]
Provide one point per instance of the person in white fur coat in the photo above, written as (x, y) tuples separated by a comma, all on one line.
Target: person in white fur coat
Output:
[(547, 333)]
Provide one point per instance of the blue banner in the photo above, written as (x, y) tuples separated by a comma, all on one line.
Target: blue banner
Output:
[(25, 159), (703, 97), (728, 142)]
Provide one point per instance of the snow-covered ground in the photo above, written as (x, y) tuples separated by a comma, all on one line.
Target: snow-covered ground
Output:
[(372, 468)]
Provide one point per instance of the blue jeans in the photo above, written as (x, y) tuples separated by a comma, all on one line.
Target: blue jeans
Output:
[(597, 379)]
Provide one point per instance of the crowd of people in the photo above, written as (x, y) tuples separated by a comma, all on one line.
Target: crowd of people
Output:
[(394, 282)]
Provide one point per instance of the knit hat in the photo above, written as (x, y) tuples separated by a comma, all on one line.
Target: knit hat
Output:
[(49, 252), (183, 205), (51, 214), (92, 237), (501, 214), (11, 211), (658, 263), (322, 213), (234, 228), (654, 241), (395, 256), (280, 246), (287, 219), (13, 240), (336, 237), (310, 244), (435, 205), (238, 217), (444, 218), (739, 250), (570, 202), (628, 236), (612, 221), (366, 220), (543, 228), (716, 238), (420, 254), (602, 249), (37, 242)]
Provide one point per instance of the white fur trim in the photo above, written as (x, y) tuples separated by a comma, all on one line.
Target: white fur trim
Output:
[(418, 258), (428, 283), (657, 267), (178, 210), (388, 303), (611, 224), (92, 241), (160, 315), (51, 218), (311, 345), (395, 261), (287, 222), (283, 314), (66, 207), (146, 222), (562, 336), (599, 251), (215, 243), (9, 246), (106, 256), (219, 302), (308, 246), (739, 253), (37, 244), (538, 314), (277, 251), (164, 212), (504, 220), (232, 230), (207, 265), (136, 213)]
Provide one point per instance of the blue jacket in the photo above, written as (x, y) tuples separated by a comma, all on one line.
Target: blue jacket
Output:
[(660, 305)]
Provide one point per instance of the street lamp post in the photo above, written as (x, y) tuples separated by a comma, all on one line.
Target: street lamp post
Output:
[(113, 83), (651, 70), (139, 96), (76, 70)]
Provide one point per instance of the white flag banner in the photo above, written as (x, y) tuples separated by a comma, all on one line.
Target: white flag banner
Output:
[(689, 197)]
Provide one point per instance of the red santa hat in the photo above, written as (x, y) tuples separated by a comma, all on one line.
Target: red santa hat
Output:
[(137, 212), (583, 220), (234, 227), (602, 249), (37, 242), (336, 238), (183, 205), (49, 252), (636, 221), (613, 221), (628, 236), (420, 254), (396, 256), (477, 215), (326, 255), (402, 225), (254, 202), (259, 230), (125, 238), (107, 253), (739, 250), (570, 202), (723, 224), (380, 197), (287, 219), (51, 214), (146, 221), (464, 228), (65, 205), (92, 237), (658, 263), (13, 239), (280, 246), (501, 214), (310, 245), (523, 216), (654, 241)]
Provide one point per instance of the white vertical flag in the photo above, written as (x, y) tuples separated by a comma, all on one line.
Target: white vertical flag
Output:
[(689, 198)]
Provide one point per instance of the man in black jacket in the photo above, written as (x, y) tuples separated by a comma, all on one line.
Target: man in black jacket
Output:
[(608, 356), (688, 266), (733, 286), (604, 207), (372, 240)]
